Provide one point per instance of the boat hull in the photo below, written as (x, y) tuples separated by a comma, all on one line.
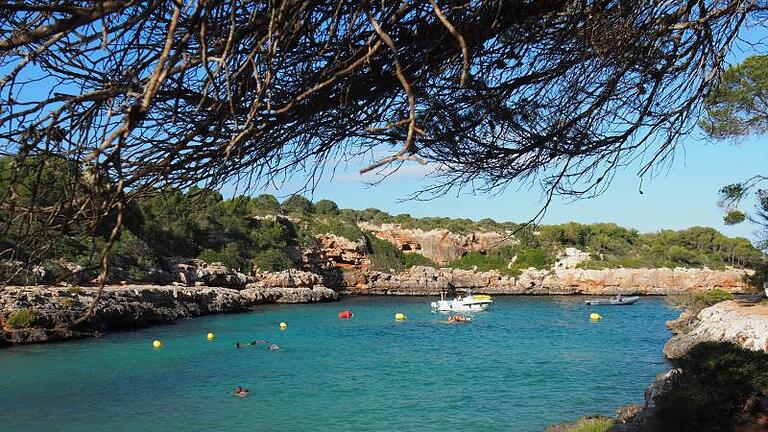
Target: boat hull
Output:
[(453, 306), (612, 302)]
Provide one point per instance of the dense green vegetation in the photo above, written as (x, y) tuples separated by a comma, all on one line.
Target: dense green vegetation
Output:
[(262, 233), (718, 388)]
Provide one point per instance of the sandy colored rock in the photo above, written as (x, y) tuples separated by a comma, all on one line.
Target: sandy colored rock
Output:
[(439, 245), (430, 281), (741, 323)]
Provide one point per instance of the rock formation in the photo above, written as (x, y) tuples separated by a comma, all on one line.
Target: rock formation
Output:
[(439, 245), (742, 323), (50, 311), (344, 253), (430, 281)]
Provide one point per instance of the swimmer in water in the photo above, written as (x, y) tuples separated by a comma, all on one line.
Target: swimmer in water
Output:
[(274, 347), (241, 392), (237, 345)]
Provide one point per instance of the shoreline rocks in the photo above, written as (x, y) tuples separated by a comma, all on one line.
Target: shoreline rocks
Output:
[(49, 312), (742, 323), (562, 281)]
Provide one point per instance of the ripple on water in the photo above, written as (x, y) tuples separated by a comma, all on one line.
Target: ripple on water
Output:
[(529, 362)]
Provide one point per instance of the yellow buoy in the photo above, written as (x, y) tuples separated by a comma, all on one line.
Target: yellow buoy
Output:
[(157, 344), (595, 317), (400, 317), (211, 336), (283, 326)]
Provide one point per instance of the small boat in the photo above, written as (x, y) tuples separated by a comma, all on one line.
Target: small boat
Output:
[(466, 303), (615, 301)]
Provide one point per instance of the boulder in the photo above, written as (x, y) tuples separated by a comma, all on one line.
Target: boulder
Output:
[(741, 323)]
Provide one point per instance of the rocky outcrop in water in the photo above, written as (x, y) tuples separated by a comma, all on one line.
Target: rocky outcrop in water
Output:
[(43, 314), (662, 281), (742, 323)]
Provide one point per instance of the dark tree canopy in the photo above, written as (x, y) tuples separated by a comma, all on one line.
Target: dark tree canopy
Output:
[(147, 95)]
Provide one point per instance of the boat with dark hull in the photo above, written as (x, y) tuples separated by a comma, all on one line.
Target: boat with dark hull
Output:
[(615, 301)]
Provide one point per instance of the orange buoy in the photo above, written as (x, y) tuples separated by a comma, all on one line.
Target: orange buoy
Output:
[(345, 314)]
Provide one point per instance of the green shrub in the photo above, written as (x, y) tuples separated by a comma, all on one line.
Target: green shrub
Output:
[(416, 260), (298, 204), (272, 260), (20, 318), (700, 300), (339, 227), (383, 254), (231, 256), (67, 302), (713, 389), (532, 257), (586, 424), (265, 204), (326, 207), (75, 290)]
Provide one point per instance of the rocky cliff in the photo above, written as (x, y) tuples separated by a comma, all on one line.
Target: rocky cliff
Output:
[(439, 245), (43, 314), (742, 323), (430, 281)]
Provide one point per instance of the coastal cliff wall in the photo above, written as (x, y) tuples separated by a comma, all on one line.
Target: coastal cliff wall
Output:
[(439, 245), (661, 281), (45, 313)]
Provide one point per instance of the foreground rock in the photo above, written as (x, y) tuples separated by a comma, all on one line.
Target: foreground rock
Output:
[(742, 323), (45, 314), (661, 281)]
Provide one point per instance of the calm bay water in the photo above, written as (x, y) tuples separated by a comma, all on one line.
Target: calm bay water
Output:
[(527, 363)]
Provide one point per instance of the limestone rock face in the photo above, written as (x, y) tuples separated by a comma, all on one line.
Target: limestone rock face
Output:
[(344, 253), (54, 309), (744, 324), (657, 281), (289, 286), (430, 281), (570, 258), (198, 273), (439, 245)]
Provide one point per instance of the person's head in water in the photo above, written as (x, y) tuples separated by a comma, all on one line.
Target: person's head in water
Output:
[(237, 345)]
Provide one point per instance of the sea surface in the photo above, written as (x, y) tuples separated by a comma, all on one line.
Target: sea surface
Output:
[(527, 363)]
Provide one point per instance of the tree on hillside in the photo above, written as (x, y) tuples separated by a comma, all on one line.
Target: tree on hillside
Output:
[(735, 109), (146, 95)]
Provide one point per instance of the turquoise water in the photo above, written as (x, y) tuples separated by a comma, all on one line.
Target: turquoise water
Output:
[(528, 363)]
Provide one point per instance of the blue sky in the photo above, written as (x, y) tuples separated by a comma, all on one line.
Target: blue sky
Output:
[(682, 196)]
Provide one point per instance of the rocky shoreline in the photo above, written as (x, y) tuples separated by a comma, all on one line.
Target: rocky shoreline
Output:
[(47, 313), (742, 323), (428, 281)]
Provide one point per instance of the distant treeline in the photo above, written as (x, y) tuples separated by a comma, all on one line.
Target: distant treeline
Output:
[(243, 234)]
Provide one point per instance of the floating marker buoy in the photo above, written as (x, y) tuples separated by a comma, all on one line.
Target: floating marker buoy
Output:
[(157, 344), (211, 336), (283, 326), (400, 317), (345, 314), (595, 316)]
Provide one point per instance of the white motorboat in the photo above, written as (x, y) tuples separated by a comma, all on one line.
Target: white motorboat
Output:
[(465, 303)]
